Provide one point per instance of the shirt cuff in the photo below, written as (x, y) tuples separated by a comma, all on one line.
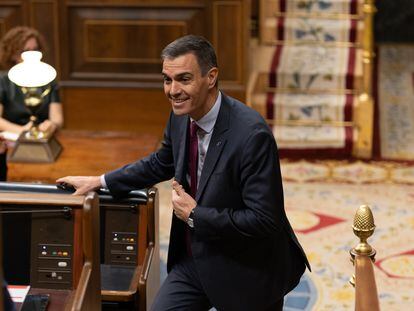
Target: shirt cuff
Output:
[(103, 181)]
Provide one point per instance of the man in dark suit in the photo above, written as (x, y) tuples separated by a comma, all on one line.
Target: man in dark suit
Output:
[(231, 244)]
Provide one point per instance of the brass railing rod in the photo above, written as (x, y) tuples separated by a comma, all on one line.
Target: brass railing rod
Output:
[(368, 45), (311, 91), (339, 16), (310, 123), (315, 42), (364, 114)]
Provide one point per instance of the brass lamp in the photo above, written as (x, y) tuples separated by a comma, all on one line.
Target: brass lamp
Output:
[(31, 75)]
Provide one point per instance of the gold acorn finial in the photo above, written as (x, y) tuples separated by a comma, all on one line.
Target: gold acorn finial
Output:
[(363, 228)]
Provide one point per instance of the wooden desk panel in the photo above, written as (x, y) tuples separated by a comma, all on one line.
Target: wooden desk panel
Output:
[(86, 153), (83, 258)]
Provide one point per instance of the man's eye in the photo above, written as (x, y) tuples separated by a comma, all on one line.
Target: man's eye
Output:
[(167, 80)]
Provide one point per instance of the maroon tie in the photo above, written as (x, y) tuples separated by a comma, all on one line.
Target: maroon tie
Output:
[(193, 158), (192, 170)]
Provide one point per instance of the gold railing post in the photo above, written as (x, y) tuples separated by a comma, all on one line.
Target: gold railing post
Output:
[(364, 110), (363, 228), (362, 257)]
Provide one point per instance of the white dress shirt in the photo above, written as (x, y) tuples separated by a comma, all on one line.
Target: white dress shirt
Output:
[(206, 126)]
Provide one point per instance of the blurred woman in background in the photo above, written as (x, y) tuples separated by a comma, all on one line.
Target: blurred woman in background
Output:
[(14, 115)]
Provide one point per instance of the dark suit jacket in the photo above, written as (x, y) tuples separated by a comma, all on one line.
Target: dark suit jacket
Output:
[(244, 248)]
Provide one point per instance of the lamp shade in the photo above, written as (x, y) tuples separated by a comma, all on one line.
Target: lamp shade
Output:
[(32, 72)]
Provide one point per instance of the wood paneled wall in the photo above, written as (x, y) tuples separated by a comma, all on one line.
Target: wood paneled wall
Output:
[(107, 52)]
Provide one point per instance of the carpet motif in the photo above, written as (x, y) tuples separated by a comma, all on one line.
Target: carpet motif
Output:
[(307, 68), (398, 266), (310, 68), (309, 29), (341, 171), (303, 137), (322, 107)]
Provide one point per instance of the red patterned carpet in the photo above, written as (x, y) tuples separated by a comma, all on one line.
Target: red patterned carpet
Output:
[(321, 200), (322, 211)]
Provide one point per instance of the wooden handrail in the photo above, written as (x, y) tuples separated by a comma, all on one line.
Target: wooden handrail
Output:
[(152, 192), (44, 199), (80, 294), (88, 290), (143, 285), (148, 281), (366, 295), (149, 253)]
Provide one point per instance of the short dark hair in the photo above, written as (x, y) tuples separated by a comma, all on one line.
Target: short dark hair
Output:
[(199, 46)]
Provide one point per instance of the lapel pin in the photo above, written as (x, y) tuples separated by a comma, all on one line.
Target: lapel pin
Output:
[(218, 143)]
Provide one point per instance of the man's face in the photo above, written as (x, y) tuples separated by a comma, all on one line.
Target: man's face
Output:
[(185, 87)]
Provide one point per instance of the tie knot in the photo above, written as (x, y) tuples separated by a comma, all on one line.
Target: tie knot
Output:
[(193, 129)]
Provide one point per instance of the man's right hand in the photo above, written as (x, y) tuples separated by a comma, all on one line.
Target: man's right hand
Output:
[(82, 184)]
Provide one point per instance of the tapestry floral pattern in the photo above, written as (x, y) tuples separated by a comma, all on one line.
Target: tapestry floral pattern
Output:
[(395, 101), (312, 73)]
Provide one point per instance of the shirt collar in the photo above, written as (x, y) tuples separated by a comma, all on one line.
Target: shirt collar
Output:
[(207, 122)]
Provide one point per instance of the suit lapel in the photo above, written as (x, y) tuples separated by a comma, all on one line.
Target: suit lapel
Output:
[(216, 146), (182, 149)]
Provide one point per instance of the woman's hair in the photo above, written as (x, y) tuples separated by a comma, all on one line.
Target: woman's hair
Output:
[(13, 42)]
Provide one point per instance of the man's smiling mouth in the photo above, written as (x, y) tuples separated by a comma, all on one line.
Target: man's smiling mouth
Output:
[(179, 101)]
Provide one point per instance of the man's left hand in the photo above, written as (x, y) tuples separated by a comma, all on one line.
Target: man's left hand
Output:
[(182, 202)]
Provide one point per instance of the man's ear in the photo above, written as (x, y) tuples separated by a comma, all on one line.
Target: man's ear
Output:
[(212, 76)]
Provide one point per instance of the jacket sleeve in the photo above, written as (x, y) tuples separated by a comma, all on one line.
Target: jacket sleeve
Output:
[(260, 211), (156, 167)]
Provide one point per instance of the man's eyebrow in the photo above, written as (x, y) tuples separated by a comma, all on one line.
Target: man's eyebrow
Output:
[(166, 77), (180, 75), (177, 76)]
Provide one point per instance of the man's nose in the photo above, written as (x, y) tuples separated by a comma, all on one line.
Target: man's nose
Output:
[(175, 88)]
